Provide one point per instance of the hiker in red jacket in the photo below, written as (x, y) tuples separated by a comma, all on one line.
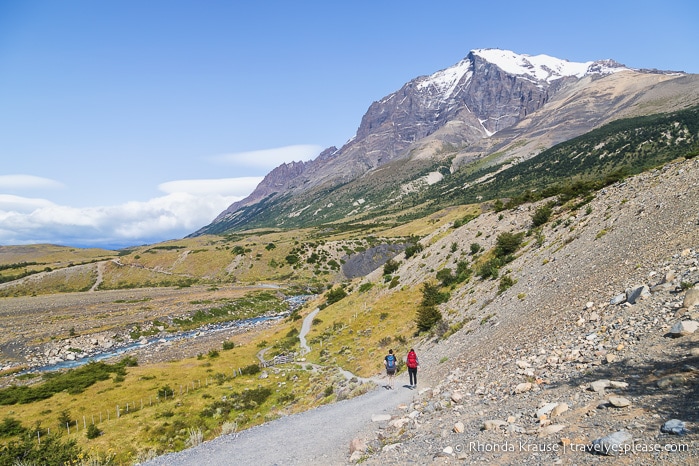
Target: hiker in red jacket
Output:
[(412, 363)]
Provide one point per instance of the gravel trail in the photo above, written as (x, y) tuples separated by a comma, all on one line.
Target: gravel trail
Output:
[(320, 436), (305, 328)]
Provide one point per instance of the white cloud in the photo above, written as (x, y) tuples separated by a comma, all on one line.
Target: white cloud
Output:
[(225, 186), (172, 216), (8, 202), (27, 182), (271, 158), (186, 206)]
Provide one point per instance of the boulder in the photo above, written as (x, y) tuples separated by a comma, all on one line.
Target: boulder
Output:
[(380, 417), (357, 445), (523, 387), (559, 409), (613, 444), (399, 423), (691, 298), (493, 424), (618, 299), (637, 293), (550, 430), (619, 401), (684, 327), (599, 385), (675, 427)]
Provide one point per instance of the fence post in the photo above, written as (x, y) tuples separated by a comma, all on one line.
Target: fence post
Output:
[(84, 423), (68, 427)]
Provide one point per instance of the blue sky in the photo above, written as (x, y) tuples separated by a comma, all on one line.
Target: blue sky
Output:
[(133, 122)]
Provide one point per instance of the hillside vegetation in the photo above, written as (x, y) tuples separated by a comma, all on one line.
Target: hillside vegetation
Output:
[(402, 191), (475, 272)]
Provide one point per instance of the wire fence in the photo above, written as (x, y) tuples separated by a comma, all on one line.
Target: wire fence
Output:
[(164, 394)]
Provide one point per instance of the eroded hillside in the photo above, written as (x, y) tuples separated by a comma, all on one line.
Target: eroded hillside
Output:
[(527, 323), (595, 295)]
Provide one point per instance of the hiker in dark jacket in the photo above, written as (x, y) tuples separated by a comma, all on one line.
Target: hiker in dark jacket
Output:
[(412, 363)]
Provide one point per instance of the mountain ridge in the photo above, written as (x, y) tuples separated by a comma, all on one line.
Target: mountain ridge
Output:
[(494, 103)]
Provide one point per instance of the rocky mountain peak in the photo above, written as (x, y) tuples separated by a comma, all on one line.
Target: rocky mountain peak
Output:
[(544, 68), (451, 116), (272, 183)]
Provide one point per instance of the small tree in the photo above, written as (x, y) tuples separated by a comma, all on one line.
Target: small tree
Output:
[(427, 313), (390, 267), (93, 431), (508, 243), (335, 295), (413, 249), (11, 427), (64, 418), (446, 276), (426, 317), (541, 215)]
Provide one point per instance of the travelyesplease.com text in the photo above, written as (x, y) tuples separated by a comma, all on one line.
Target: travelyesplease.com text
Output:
[(605, 449)]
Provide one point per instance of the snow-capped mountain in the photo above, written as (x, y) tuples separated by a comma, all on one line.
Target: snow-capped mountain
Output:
[(544, 67), (456, 115)]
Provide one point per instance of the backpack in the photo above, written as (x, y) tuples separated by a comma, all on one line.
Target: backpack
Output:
[(390, 362), (412, 360)]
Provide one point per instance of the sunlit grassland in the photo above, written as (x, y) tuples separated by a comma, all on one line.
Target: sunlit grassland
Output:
[(121, 276), (52, 255), (162, 423), (356, 332), (427, 225), (67, 280)]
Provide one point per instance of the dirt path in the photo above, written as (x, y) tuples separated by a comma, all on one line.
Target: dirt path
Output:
[(100, 276), (305, 328), (320, 436)]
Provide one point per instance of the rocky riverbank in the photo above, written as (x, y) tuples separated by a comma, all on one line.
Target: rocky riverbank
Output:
[(144, 331)]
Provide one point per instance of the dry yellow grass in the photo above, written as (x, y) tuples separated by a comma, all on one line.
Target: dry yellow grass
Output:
[(354, 334), (133, 417), (357, 331)]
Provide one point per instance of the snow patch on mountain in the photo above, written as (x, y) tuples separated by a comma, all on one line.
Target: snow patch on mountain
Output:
[(544, 67), (445, 81), (539, 68)]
